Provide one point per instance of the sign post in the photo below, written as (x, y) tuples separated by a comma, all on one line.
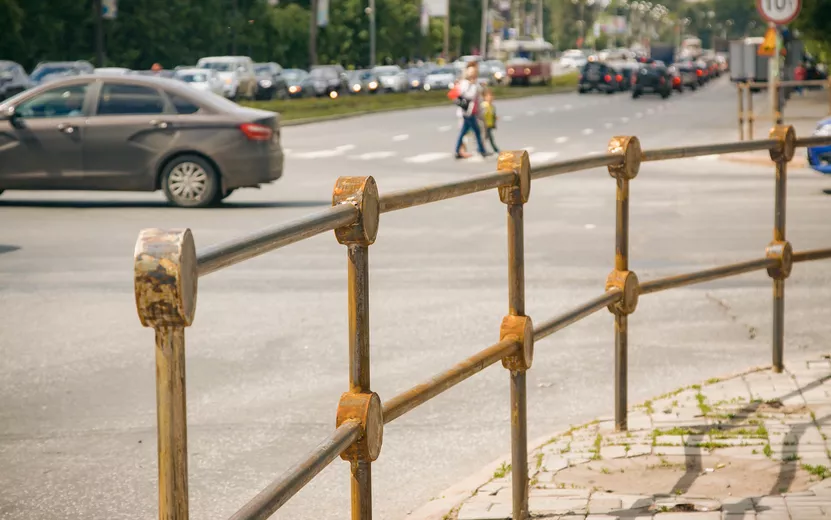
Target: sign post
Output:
[(776, 12)]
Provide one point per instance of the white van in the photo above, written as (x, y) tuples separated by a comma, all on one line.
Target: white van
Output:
[(235, 72)]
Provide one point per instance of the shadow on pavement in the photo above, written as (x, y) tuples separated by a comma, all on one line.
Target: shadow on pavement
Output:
[(96, 204)]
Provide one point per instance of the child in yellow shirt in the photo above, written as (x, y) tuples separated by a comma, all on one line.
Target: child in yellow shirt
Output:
[(489, 118)]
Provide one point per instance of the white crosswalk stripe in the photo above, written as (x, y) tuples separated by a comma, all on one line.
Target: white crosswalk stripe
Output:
[(542, 157), (427, 157), (373, 155), (561, 140)]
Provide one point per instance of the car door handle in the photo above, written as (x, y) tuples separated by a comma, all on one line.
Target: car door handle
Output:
[(66, 128), (160, 124)]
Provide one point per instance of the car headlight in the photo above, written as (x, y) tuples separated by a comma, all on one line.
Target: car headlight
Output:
[(356, 88), (427, 86), (373, 85), (527, 70), (414, 83), (823, 130), (265, 83), (498, 75), (294, 89), (450, 85), (228, 81), (511, 70)]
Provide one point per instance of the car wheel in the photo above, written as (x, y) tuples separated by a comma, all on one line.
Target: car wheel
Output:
[(694, 87), (666, 94), (636, 94), (611, 90), (581, 91), (190, 181)]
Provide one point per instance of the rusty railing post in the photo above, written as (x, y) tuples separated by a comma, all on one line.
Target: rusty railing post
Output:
[(780, 248), (621, 277), (751, 119), (165, 285), (828, 88), (360, 403), (516, 325), (740, 91)]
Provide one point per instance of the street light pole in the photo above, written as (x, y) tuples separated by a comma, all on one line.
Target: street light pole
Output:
[(483, 37), (99, 32), (372, 61), (539, 20), (313, 34)]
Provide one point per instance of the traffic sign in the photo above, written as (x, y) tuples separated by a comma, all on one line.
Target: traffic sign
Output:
[(768, 47), (779, 12)]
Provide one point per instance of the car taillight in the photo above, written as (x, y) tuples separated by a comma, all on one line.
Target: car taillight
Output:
[(256, 132), (607, 78), (699, 72), (662, 81), (634, 79), (619, 78), (676, 80)]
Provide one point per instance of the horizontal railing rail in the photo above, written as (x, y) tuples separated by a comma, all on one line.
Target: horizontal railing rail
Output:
[(167, 267), (745, 90)]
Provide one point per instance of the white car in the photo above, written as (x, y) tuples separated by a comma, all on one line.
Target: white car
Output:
[(112, 71), (440, 79), (573, 59), (236, 72), (392, 78), (206, 80)]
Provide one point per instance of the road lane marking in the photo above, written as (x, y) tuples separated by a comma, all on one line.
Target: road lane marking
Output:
[(402, 137), (427, 157), (590, 226), (624, 119), (322, 154), (551, 110), (660, 107), (444, 128), (373, 155), (531, 113), (567, 107), (345, 147), (561, 140), (588, 131), (542, 157), (507, 118), (595, 152), (639, 115), (608, 125), (650, 111)]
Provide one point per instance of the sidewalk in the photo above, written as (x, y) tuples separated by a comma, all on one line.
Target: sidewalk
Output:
[(802, 112), (749, 446)]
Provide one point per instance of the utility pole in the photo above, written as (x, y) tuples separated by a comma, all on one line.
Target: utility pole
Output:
[(446, 50), (312, 34), (539, 20), (483, 38), (99, 32), (234, 20), (371, 12)]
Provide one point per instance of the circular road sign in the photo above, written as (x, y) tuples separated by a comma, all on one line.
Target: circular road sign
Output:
[(779, 12)]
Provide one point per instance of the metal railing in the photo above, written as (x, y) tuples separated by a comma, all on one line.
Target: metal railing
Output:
[(167, 267), (744, 90)]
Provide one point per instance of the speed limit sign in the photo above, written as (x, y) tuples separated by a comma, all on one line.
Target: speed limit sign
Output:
[(779, 12)]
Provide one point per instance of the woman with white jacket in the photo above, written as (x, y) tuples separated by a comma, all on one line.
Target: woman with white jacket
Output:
[(469, 101)]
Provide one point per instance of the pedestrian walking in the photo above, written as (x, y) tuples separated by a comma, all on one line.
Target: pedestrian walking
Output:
[(489, 118), (800, 73), (469, 101)]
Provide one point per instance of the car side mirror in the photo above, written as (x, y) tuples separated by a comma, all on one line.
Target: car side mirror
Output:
[(8, 114), (6, 75)]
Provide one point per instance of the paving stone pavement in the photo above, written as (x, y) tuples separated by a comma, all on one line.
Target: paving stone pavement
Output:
[(748, 446)]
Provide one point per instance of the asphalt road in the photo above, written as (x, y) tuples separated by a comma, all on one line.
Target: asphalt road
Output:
[(267, 356)]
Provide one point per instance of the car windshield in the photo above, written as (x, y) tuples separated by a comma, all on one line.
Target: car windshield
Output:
[(193, 77), (294, 74), (592, 67), (221, 66), (56, 70), (386, 71), (262, 69), (324, 73), (445, 70)]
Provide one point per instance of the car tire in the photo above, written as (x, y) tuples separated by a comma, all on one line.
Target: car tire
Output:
[(189, 181), (611, 91), (636, 94), (666, 94), (694, 87), (581, 91)]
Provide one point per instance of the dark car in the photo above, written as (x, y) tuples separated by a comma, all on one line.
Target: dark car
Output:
[(13, 79), (598, 76), (49, 70), (136, 133), (687, 73), (628, 70), (702, 72), (298, 82), (328, 80), (652, 78), (270, 81), (416, 77)]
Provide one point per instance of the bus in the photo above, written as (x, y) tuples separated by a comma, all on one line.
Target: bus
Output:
[(527, 61)]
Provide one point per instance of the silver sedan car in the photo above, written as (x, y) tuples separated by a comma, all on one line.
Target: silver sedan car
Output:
[(136, 133)]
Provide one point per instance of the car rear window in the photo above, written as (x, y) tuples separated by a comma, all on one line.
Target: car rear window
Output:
[(182, 104), (118, 99), (593, 67)]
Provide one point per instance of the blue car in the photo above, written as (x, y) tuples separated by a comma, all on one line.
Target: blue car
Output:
[(819, 157)]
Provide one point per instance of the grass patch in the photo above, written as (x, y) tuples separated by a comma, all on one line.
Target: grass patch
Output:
[(539, 460), (675, 430), (502, 470), (768, 451), (712, 381), (818, 471), (311, 108), (596, 451), (702, 403)]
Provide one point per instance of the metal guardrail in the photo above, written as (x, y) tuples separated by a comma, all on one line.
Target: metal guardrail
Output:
[(167, 268), (745, 89)]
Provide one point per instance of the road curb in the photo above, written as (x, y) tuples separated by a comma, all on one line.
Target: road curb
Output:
[(458, 493), (439, 102)]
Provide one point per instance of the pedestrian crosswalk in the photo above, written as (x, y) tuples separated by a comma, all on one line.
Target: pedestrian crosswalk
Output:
[(350, 153)]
